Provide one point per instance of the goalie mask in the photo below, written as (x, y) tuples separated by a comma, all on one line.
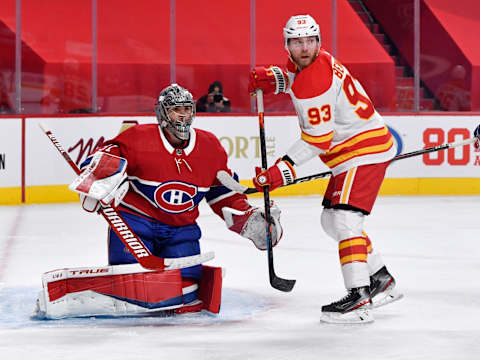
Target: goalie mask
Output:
[(175, 110), (301, 26)]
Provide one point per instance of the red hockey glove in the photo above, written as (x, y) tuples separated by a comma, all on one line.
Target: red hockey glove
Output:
[(282, 173), (270, 80)]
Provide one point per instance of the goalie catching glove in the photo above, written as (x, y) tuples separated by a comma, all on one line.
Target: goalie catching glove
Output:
[(271, 80), (251, 224), (282, 173), (102, 182)]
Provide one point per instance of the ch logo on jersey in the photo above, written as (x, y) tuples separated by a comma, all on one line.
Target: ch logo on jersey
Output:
[(175, 196)]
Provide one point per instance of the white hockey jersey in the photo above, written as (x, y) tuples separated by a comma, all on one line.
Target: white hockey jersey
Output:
[(336, 115)]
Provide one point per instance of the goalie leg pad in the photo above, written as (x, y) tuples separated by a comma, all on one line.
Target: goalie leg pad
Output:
[(209, 292), (108, 291)]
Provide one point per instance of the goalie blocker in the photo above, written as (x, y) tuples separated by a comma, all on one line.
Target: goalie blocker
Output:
[(125, 290)]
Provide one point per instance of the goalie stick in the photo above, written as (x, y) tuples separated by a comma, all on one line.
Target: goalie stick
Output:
[(275, 281), (133, 243), (234, 185)]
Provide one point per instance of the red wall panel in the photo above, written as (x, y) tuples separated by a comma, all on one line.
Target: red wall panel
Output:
[(448, 41), (212, 43)]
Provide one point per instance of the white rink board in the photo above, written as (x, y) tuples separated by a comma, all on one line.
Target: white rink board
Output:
[(239, 136), (77, 135), (418, 132), (10, 152)]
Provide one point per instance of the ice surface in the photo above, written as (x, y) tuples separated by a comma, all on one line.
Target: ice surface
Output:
[(430, 244)]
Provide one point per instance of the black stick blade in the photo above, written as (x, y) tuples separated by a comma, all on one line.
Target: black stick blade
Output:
[(284, 285)]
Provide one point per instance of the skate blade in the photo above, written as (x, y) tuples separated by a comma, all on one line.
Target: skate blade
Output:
[(359, 316), (386, 298)]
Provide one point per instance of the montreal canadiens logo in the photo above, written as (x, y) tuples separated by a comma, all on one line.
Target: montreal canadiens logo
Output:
[(175, 197)]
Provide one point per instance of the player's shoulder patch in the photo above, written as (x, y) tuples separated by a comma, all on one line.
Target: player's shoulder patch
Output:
[(315, 79)]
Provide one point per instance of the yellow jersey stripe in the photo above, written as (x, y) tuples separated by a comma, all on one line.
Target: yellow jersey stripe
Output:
[(355, 140), (364, 151), (317, 139)]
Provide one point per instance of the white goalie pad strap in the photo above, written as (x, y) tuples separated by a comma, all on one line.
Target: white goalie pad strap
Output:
[(301, 151), (102, 178), (108, 291)]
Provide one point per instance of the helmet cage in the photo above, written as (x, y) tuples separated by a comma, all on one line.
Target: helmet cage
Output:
[(169, 98)]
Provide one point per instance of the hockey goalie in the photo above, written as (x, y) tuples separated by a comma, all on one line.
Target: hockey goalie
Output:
[(154, 176)]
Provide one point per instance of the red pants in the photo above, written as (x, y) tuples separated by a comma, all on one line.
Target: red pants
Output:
[(357, 187)]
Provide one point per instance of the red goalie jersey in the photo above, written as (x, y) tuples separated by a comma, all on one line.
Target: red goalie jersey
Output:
[(167, 184)]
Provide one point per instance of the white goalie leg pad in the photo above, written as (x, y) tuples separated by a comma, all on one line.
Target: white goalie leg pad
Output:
[(118, 290)]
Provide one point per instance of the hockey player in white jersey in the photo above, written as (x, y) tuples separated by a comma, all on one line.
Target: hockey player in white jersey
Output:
[(340, 125)]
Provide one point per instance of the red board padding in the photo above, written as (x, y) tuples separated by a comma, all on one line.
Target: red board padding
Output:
[(210, 289), (151, 287)]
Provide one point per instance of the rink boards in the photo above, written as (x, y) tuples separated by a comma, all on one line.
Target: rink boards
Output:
[(32, 170)]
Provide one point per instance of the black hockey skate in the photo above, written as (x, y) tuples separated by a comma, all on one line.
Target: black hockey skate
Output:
[(354, 308), (382, 288)]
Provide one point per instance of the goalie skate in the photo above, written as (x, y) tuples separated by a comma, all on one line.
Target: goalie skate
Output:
[(382, 288), (354, 308)]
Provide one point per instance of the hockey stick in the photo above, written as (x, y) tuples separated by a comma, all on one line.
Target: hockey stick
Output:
[(276, 282), (234, 185), (133, 243)]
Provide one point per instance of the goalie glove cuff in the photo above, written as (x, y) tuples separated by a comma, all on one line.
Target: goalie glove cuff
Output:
[(89, 204)]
